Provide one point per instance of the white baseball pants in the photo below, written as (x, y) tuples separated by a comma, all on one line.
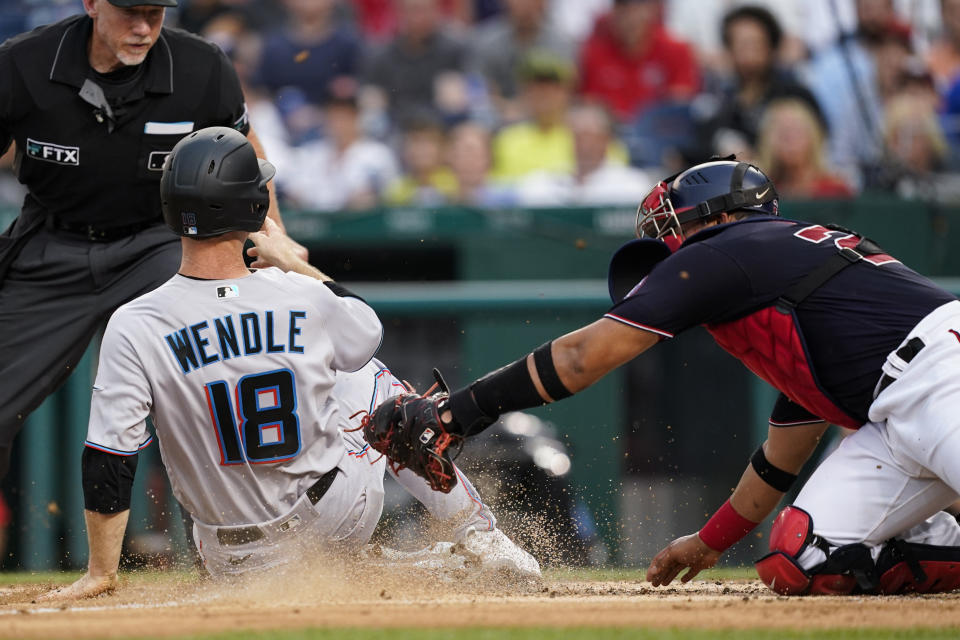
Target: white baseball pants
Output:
[(893, 476)]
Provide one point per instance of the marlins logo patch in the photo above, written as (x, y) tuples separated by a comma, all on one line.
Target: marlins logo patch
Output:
[(55, 153)]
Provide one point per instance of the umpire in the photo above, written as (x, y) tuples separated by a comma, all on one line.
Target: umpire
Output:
[(94, 104)]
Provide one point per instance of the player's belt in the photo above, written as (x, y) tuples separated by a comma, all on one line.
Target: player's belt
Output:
[(96, 233), (906, 353), (231, 536)]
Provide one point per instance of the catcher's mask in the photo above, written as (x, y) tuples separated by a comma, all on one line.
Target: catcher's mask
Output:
[(703, 192), (213, 183)]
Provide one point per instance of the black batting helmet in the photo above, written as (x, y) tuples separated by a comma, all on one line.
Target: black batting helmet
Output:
[(702, 192), (214, 183)]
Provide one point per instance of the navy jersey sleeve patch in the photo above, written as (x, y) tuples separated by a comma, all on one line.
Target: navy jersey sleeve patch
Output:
[(694, 286)]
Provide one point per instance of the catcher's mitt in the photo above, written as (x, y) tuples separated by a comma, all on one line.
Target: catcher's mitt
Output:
[(407, 429)]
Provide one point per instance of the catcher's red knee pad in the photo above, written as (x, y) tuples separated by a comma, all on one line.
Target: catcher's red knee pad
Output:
[(782, 574), (906, 567), (791, 534)]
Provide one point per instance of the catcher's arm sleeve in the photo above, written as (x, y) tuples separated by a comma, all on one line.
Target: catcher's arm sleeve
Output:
[(577, 360)]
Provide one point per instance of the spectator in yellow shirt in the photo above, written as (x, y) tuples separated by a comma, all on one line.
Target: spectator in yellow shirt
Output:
[(427, 180), (544, 142)]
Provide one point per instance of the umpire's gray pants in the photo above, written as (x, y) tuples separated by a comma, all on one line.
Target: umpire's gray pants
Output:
[(57, 294)]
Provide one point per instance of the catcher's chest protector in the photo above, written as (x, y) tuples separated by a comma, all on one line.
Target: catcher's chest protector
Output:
[(768, 342)]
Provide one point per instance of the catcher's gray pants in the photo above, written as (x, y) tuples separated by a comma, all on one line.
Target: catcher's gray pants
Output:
[(58, 292)]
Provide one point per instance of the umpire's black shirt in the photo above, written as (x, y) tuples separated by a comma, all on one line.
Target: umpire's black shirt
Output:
[(80, 164)]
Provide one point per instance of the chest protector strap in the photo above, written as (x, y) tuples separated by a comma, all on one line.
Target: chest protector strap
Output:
[(768, 341), (830, 267)]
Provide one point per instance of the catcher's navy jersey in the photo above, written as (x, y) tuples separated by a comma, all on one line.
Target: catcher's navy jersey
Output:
[(848, 325)]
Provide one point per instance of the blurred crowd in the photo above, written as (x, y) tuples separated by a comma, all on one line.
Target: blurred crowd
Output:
[(499, 103)]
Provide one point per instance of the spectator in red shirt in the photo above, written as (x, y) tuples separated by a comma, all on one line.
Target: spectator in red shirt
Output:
[(631, 62), (378, 18)]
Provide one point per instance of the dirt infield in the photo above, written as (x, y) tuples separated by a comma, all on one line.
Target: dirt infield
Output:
[(160, 606)]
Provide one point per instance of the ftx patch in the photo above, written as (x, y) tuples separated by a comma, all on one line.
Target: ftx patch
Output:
[(56, 153)]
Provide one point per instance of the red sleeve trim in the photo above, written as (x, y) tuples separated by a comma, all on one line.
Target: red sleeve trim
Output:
[(774, 423), (631, 323)]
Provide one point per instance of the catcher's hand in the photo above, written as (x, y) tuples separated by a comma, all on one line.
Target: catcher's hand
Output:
[(407, 429), (688, 552)]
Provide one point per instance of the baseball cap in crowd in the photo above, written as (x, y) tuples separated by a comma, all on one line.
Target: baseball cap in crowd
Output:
[(545, 66), (342, 92), (138, 3)]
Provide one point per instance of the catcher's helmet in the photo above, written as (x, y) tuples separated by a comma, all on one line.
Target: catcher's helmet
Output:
[(214, 183), (702, 192)]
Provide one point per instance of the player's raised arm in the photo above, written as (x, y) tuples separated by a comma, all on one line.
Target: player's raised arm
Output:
[(273, 210), (272, 247)]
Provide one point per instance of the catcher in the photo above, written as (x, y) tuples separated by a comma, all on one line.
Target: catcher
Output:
[(847, 333)]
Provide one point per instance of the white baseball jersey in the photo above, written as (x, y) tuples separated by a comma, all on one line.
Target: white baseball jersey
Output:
[(236, 375)]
